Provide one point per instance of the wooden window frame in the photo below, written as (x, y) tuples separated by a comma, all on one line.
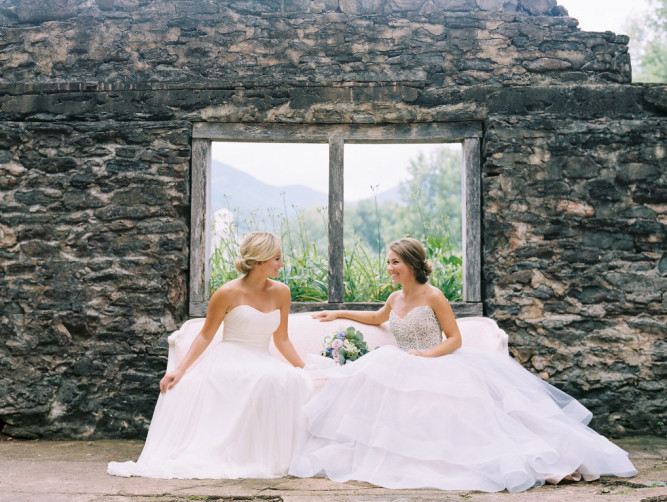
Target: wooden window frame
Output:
[(205, 133)]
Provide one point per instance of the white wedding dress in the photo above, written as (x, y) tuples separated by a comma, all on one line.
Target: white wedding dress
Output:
[(471, 420), (236, 413)]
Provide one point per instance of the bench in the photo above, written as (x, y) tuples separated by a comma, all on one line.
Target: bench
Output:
[(307, 334)]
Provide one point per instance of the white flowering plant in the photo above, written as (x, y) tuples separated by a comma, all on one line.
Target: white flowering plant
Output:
[(345, 344)]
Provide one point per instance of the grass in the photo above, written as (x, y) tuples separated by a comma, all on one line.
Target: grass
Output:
[(364, 276)]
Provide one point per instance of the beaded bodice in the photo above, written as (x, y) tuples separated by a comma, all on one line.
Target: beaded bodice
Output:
[(419, 329)]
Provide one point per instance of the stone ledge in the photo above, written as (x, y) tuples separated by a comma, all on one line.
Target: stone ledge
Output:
[(314, 103)]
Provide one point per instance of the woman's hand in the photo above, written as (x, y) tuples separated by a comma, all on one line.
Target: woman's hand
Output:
[(325, 315), (169, 380), (416, 352)]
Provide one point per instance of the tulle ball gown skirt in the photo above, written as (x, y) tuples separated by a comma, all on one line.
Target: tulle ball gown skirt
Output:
[(236, 413), (467, 421)]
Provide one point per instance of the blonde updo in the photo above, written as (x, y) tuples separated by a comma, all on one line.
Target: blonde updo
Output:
[(412, 253), (256, 247)]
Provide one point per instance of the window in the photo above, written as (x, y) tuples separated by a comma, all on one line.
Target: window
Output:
[(341, 142)]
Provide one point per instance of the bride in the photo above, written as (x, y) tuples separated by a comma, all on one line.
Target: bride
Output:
[(440, 416), (234, 411)]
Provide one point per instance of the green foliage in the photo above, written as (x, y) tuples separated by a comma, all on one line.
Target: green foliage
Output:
[(222, 266), (430, 205), (447, 266), (306, 270), (433, 196), (306, 273), (364, 278), (648, 44)]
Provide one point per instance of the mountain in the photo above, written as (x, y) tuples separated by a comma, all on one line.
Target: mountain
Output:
[(391, 195), (242, 193), (238, 191)]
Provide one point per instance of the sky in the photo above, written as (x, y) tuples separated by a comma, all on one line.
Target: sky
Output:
[(385, 166), (369, 169), (604, 15)]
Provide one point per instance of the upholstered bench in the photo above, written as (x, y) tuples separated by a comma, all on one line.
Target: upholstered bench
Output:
[(307, 335)]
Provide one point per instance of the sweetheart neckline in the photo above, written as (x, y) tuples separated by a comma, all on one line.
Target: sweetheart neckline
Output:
[(410, 311), (254, 308)]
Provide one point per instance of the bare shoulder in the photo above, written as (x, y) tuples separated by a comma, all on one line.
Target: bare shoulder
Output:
[(221, 300), (443, 311), (226, 291), (279, 287), (281, 290), (435, 296), (392, 298)]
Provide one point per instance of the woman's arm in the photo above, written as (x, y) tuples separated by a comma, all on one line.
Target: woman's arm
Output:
[(445, 315), (377, 317), (280, 337), (217, 308)]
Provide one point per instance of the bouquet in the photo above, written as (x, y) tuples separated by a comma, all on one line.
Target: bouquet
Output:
[(344, 345)]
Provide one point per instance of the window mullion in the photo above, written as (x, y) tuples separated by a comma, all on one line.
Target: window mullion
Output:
[(471, 199), (336, 249), (200, 232)]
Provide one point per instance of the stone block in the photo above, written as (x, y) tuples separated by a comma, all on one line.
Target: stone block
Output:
[(547, 64), (602, 190), (360, 7), (536, 6), (499, 5), (662, 266), (7, 237), (608, 240), (36, 11), (657, 97), (637, 172), (453, 5)]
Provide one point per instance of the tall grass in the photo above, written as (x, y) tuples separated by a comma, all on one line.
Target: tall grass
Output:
[(364, 276), (363, 279)]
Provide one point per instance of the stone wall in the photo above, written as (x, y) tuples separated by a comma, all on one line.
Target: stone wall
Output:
[(577, 208), (270, 42), (97, 102)]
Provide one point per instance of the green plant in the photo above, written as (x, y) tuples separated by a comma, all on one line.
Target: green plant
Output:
[(447, 266), (430, 207), (306, 270), (363, 277), (306, 274)]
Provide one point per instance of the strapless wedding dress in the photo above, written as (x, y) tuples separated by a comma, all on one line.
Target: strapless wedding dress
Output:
[(471, 420), (236, 413)]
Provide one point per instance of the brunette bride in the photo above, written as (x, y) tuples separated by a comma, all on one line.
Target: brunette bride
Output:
[(432, 414)]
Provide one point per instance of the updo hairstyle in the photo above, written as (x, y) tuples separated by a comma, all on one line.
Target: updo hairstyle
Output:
[(256, 247), (412, 253)]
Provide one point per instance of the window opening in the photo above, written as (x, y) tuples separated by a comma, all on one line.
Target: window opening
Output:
[(272, 187), (339, 153), (401, 190)]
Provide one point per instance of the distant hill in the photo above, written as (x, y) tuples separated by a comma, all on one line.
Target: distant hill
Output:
[(391, 195), (242, 193), (238, 191)]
